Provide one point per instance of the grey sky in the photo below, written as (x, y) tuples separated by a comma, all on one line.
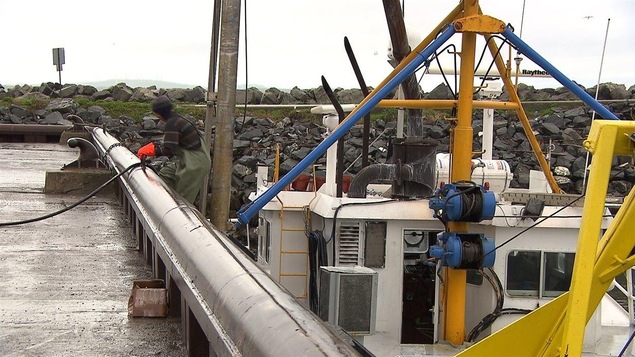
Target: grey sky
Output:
[(291, 42)]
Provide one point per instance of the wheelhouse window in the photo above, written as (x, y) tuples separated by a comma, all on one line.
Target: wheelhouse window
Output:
[(558, 271), (537, 273), (523, 273)]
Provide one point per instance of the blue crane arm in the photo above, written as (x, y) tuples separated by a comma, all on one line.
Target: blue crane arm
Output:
[(250, 209), (559, 76)]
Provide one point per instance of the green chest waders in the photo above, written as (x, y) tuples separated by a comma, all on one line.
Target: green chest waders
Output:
[(188, 171)]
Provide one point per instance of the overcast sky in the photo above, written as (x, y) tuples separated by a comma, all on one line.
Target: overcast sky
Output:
[(290, 42)]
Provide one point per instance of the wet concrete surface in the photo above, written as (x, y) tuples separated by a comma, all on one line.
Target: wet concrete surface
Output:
[(65, 281)]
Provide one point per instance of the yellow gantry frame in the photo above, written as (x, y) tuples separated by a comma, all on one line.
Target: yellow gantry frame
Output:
[(557, 328), (468, 20)]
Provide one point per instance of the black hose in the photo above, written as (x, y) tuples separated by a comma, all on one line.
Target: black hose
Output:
[(317, 259), (445, 78), (53, 214), (313, 287), (489, 319), (491, 63)]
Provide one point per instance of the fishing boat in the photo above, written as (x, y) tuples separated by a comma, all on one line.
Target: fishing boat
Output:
[(433, 253)]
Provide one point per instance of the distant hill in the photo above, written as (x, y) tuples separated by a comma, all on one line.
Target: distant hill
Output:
[(144, 83), (134, 83), (163, 84)]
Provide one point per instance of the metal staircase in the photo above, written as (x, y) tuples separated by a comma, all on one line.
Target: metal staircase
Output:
[(623, 293)]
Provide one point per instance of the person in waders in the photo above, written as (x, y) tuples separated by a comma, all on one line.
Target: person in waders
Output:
[(189, 161)]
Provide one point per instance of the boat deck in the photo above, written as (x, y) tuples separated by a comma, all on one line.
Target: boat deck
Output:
[(66, 280)]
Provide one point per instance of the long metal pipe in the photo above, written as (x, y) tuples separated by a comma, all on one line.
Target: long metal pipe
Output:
[(559, 76), (242, 311), (248, 211)]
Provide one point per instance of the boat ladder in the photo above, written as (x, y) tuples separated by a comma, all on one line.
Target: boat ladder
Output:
[(294, 252)]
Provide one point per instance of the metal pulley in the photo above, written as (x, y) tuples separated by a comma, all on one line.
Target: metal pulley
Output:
[(463, 202), (464, 250)]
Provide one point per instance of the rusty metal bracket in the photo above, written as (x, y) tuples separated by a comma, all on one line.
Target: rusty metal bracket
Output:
[(479, 24)]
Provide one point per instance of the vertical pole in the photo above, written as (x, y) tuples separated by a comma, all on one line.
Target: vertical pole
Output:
[(339, 171), (210, 113), (59, 66), (224, 136), (597, 92), (330, 185), (461, 158), (488, 133), (400, 113), (597, 88)]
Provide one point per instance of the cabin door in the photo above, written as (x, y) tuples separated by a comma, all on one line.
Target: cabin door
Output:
[(419, 288)]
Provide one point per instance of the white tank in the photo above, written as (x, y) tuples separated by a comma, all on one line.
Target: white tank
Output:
[(496, 173)]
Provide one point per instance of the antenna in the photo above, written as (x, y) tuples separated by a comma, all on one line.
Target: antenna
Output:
[(518, 58), (597, 91), (522, 20), (597, 88)]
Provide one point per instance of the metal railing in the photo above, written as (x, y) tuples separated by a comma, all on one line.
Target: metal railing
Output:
[(627, 293)]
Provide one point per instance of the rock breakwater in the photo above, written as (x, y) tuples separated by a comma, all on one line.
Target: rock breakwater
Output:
[(559, 127)]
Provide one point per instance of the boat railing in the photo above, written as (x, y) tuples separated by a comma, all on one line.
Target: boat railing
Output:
[(625, 297)]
